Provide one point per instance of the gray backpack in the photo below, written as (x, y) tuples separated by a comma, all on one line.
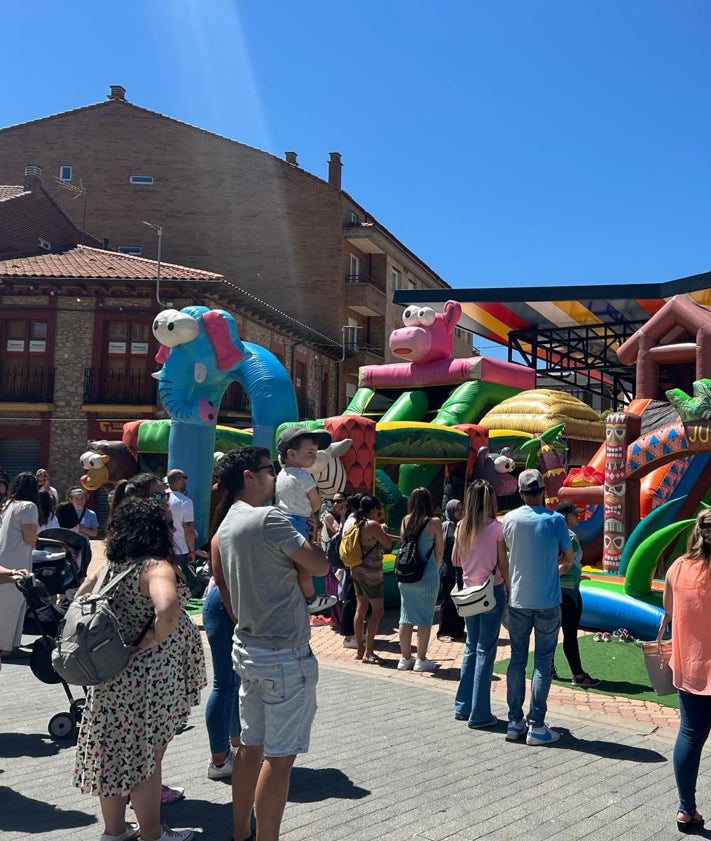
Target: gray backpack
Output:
[(89, 646)]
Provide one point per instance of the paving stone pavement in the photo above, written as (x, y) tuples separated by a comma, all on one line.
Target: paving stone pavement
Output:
[(388, 761)]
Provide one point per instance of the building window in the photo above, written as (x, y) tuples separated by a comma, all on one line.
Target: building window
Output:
[(140, 179), (354, 218), (396, 278), (130, 249), (410, 284), (353, 269), (350, 335), (123, 370), (24, 354), (44, 244), (65, 173)]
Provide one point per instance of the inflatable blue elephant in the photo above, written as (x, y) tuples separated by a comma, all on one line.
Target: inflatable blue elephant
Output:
[(201, 354)]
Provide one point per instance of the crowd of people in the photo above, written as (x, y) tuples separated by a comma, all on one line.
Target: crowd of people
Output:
[(261, 598)]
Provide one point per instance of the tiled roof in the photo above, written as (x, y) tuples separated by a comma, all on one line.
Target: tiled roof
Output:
[(95, 263), (11, 191), (28, 218)]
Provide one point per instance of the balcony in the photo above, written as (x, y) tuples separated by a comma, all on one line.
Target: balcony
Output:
[(104, 387), (18, 385), (366, 237), (360, 355), (365, 295), (235, 401)]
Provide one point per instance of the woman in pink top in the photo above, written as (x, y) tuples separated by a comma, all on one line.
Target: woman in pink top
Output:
[(479, 549), (687, 599)]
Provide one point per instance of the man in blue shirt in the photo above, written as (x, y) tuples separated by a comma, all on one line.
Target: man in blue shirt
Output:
[(539, 551)]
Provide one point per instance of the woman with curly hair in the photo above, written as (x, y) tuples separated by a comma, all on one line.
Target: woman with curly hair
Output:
[(18, 533), (128, 721), (687, 597), (418, 600)]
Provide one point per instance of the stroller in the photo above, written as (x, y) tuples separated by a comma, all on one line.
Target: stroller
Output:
[(58, 566)]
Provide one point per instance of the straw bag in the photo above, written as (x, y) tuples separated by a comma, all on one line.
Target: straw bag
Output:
[(657, 655)]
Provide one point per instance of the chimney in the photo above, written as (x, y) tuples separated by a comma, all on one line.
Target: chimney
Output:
[(117, 92), (334, 169), (291, 158), (33, 176)]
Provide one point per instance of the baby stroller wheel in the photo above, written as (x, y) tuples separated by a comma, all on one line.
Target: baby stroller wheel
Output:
[(61, 725), (76, 709)]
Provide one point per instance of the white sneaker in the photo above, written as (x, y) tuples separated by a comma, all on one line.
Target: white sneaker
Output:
[(350, 642), (174, 835), (221, 772), (542, 736), (321, 603), (128, 834), (425, 665), (406, 663)]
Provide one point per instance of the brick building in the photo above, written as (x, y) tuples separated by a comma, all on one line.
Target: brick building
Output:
[(297, 242), (76, 346)]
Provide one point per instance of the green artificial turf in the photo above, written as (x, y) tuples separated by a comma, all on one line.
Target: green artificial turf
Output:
[(620, 667), (194, 606)]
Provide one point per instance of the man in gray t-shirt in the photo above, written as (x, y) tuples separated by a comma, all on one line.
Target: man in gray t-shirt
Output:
[(254, 557)]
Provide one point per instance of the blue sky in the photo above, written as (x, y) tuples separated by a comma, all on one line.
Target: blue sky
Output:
[(506, 143)]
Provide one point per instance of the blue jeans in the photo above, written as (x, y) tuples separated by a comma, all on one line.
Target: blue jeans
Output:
[(473, 698), (694, 726), (222, 708), (546, 625)]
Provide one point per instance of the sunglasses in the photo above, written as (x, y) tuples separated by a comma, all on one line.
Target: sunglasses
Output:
[(339, 501), (269, 467), (160, 496)]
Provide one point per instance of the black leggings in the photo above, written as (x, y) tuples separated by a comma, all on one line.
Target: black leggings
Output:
[(571, 609)]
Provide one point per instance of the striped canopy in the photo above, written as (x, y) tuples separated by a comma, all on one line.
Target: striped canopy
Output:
[(493, 313)]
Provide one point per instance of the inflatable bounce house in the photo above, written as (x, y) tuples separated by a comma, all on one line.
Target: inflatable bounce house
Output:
[(656, 469), (431, 420)]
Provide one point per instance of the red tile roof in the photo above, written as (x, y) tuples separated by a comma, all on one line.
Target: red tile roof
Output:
[(95, 263)]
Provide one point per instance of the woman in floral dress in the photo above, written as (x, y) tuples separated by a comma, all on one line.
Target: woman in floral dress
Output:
[(129, 720)]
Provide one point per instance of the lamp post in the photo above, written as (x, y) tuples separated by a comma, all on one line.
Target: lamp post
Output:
[(159, 233)]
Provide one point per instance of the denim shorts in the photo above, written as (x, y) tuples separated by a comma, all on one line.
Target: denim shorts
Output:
[(277, 697)]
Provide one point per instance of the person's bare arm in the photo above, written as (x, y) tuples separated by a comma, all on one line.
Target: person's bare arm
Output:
[(668, 604), (29, 533), (565, 560), (159, 583), (502, 560), (189, 532), (435, 527), (315, 501), (378, 531), (7, 576), (218, 574), (311, 559), (87, 532)]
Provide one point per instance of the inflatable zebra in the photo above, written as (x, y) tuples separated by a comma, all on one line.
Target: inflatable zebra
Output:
[(328, 469)]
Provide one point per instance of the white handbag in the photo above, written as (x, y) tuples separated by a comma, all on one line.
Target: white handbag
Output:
[(471, 601)]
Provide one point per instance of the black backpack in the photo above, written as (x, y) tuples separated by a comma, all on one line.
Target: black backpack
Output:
[(334, 557), (409, 566)]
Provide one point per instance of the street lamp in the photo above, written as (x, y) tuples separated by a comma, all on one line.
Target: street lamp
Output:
[(159, 233)]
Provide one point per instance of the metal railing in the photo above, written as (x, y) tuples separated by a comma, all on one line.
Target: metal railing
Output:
[(18, 385), (367, 279), (102, 385)]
